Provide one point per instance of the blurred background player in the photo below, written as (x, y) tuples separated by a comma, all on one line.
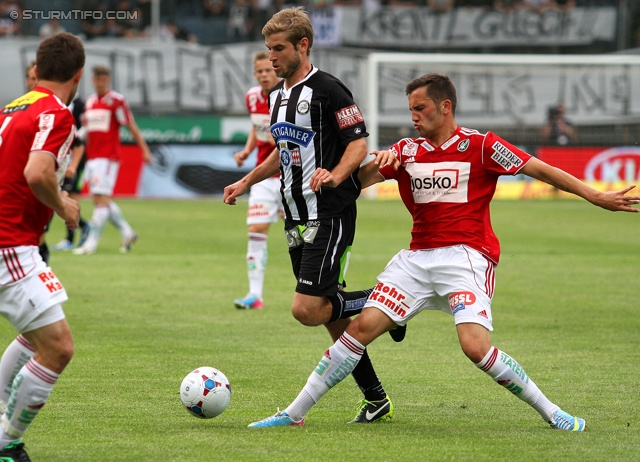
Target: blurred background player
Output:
[(37, 133), (265, 200), (105, 112), (72, 182)]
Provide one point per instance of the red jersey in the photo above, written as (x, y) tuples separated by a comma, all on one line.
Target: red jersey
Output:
[(37, 121), (102, 118), (448, 189), (258, 106)]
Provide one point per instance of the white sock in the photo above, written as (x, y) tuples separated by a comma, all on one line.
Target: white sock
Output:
[(256, 262), (98, 220), (14, 357), (116, 217), (31, 389), (508, 373), (336, 364)]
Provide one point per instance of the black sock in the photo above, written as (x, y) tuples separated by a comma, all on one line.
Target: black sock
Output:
[(71, 234), (347, 304), (367, 380)]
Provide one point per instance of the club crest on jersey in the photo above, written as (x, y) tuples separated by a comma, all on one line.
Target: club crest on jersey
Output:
[(285, 131), (463, 145), (459, 301), (285, 157), (349, 116), (303, 107), (505, 157)]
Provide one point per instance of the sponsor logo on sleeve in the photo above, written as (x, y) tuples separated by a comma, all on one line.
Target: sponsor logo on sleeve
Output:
[(24, 102), (349, 116), (409, 151), (505, 157), (44, 128)]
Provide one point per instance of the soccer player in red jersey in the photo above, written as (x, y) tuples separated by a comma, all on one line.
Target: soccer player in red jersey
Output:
[(37, 131), (446, 178), (105, 112), (265, 201)]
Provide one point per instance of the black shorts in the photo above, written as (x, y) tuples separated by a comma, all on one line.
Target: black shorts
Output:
[(319, 251), (74, 185)]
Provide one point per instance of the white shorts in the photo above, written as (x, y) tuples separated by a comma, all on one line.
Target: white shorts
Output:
[(30, 293), (265, 202), (101, 174), (457, 280)]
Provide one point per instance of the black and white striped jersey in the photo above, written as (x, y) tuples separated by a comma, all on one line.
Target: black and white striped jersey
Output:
[(312, 124)]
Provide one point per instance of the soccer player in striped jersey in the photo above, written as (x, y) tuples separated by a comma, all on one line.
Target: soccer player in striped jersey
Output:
[(320, 142), (447, 178), (37, 131)]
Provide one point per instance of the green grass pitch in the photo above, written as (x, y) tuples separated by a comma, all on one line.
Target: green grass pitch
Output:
[(566, 307)]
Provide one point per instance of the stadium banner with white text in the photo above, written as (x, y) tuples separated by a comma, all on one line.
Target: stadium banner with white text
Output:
[(422, 28)]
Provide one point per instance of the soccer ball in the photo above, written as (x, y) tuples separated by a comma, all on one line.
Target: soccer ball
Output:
[(205, 392)]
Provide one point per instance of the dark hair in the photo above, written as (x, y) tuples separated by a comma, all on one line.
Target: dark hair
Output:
[(59, 57), (438, 87), (294, 22), (101, 70)]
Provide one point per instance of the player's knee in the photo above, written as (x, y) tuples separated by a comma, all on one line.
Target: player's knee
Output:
[(308, 315), (474, 351), (61, 353)]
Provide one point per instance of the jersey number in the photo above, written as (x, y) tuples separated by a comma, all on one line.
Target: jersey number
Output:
[(4, 125)]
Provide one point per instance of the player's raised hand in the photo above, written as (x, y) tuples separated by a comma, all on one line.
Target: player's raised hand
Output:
[(618, 201), (384, 158)]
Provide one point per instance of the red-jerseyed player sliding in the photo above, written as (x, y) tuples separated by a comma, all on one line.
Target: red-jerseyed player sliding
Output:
[(446, 178), (105, 112), (265, 200), (37, 131)]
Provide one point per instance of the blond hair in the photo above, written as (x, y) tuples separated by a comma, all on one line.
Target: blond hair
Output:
[(295, 24)]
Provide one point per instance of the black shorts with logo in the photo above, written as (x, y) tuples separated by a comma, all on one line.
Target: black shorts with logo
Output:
[(319, 252)]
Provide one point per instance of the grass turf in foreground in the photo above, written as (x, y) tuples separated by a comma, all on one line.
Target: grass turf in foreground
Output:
[(565, 308)]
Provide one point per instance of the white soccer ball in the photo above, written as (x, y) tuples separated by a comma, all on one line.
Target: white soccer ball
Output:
[(205, 392)]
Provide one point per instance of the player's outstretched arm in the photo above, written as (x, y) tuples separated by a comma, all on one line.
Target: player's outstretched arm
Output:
[(609, 200), (249, 146), (140, 141), (369, 173), (263, 171)]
